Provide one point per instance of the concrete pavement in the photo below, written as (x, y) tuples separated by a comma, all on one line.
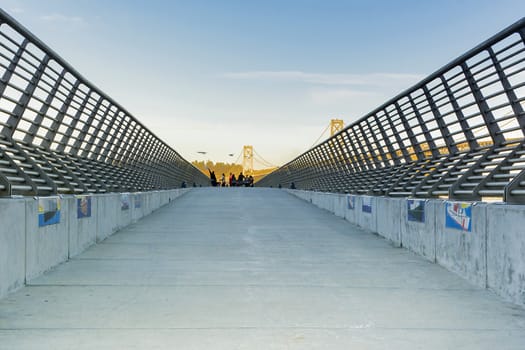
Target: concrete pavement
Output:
[(252, 269)]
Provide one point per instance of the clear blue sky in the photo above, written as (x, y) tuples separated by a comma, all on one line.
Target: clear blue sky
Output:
[(216, 75)]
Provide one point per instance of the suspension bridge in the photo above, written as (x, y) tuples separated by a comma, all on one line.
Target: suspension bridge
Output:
[(252, 160)]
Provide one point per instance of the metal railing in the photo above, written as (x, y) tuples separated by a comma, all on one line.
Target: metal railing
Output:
[(60, 134), (459, 134)]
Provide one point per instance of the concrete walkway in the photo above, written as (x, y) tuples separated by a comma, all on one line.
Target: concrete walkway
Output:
[(253, 269)]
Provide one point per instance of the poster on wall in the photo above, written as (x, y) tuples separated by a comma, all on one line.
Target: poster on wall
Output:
[(351, 202), (416, 210), (124, 201), (138, 201), (367, 204), (48, 211), (83, 207), (458, 216)]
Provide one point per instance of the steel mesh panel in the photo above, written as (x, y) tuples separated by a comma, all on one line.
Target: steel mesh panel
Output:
[(60, 134), (459, 133)]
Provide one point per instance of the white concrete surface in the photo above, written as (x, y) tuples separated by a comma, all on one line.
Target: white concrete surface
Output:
[(460, 251), (506, 251), (154, 200), (367, 220), (251, 269), (351, 214), (108, 215), (82, 232), (12, 245), (340, 205), (46, 246), (137, 213), (124, 216), (389, 218), (420, 237)]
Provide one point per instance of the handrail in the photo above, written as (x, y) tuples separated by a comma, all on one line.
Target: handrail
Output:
[(61, 134), (473, 104)]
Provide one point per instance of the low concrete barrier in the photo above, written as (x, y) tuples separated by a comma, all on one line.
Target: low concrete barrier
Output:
[(137, 207), (82, 216), (164, 198), (340, 205), (367, 212), (506, 251), (389, 218), (147, 203), (418, 227), (108, 215), (47, 245), (463, 250), (482, 243), (124, 204), (12, 245), (39, 233), (154, 200), (351, 210)]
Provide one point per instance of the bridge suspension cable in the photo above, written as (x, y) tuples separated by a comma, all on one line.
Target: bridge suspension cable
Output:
[(320, 137), (262, 160), (335, 126)]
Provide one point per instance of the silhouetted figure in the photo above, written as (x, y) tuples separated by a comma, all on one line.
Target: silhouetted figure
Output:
[(223, 180), (213, 178), (230, 178), (249, 181), (292, 186), (234, 180), (183, 185), (240, 179)]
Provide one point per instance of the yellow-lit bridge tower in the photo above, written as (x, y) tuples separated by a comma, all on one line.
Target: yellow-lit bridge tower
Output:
[(247, 160), (336, 125)]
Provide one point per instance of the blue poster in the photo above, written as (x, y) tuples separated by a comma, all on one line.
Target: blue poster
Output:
[(458, 216), (48, 211), (351, 202), (367, 205), (83, 207), (138, 201), (124, 201), (416, 210)]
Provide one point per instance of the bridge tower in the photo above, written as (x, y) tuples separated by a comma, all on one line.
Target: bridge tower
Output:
[(336, 125), (247, 160)]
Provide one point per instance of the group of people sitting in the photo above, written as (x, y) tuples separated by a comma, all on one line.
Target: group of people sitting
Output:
[(241, 180)]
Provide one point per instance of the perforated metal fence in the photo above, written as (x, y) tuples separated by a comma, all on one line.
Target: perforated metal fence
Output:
[(60, 134), (459, 134)]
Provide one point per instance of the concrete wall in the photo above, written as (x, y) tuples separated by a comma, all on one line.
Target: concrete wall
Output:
[(340, 205), (12, 244), (28, 249), (389, 218), (351, 209), (491, 254), (506, 251), (124, 204), (46, 246), (137, 206), (365, 219), (108, 215), (462, 251), (420, 237), (83, 230)]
